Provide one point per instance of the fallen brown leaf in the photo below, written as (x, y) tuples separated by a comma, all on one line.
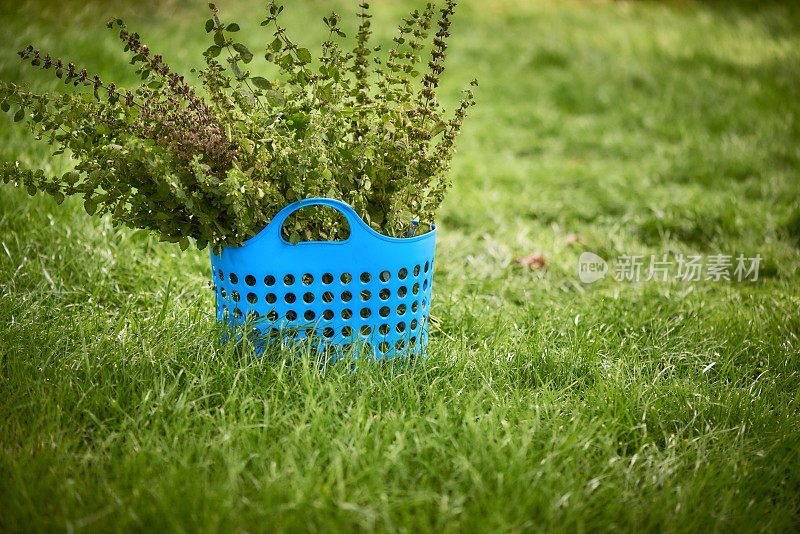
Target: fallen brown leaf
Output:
[(534, 261), (575, 239)]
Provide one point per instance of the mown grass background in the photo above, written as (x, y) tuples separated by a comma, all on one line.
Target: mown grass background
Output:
[(544, 403)]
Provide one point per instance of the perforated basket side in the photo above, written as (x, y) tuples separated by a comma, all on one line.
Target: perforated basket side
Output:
[(369, 290)]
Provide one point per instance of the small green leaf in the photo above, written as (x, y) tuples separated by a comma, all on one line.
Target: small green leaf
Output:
[(209, 25), (277, 44), (261, 83), (219, 39), (90, 205), (246, 54), (163, 190), (232, 27), (19, 114), (302, 78), (438, 128), (213, 51), (275, 98), (294, 238), (304, 55), (286, 62), (237, 71), (183, 243)]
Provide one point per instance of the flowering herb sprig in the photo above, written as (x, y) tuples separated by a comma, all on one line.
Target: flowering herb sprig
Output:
[(217, 167)]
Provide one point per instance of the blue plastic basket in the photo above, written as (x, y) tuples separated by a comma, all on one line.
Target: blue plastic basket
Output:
[(370, 290)]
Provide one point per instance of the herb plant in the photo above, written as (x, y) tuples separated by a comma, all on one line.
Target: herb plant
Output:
[(216, 162)]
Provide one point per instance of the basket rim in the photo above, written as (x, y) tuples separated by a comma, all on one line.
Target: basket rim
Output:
[(294, 206)]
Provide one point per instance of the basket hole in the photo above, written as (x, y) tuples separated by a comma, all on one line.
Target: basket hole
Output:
[(415, 306), (271, 298), (327, 278), (233, 278), (324, 223), (384, 347), (272, 316), (311, 333), (252, 298), (250, 280), (288, 279), (347, 313), (413, 340), (238, 313), (384, 311), (269, 280), (223, 293), (384, 294), (416, 270), (425, 285), (274, 333), (291, 315), (327, 315), (365, 330), (401, 327), (328, 332), (221, 276), (365, 277), (413, 325), (309, 315), (401, 291), (308, 279), (365, 295), (384, 329), (402, 273), (289, 298), (346, 296), (308, 298), (426, 266), (253, 316), (327, 297), (415, 289), (385, 276), (346, 278), (367, 348), (401, 310), (400, 345), (347, 331), (365, 312), (424, 302), (235, 296)]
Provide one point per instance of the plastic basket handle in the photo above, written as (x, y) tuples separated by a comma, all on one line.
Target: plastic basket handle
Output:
[(353, 220)]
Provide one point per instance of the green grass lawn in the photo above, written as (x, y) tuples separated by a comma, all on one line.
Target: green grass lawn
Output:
[(544, 403)]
